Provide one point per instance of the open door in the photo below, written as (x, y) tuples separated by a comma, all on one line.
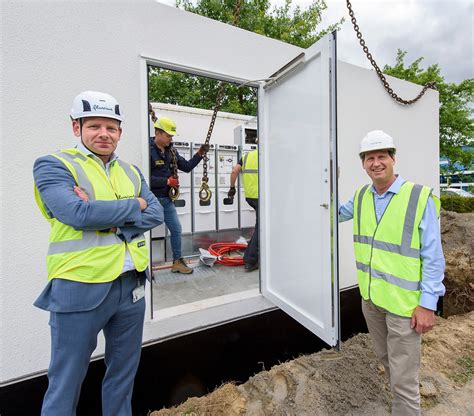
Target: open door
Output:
[(298, 190)]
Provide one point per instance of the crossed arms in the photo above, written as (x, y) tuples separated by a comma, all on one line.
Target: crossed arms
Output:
[(56, 185)]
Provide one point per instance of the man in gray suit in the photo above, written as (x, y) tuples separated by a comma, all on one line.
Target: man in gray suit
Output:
[(98, 207)]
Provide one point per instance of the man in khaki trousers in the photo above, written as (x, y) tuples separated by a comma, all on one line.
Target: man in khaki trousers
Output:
[(400, 265)]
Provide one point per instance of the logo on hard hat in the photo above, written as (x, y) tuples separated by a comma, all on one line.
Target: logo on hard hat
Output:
[(98, 107)]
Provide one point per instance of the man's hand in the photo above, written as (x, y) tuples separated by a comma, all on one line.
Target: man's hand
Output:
[(143, 203), (423, 320), (231, 192), (203, 150), (173, 182), (81, 193)]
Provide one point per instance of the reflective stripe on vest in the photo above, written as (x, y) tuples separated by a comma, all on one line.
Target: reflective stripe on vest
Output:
[(250, 174), (89, 239), (404, 248), (93, 256), (394, 280), (388, 252), (82, 178)]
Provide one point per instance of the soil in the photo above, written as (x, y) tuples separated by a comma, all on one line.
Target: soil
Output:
[(457, 234), (351, 382)]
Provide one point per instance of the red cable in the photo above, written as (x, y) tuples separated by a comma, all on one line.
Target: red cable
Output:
[(220, 249)]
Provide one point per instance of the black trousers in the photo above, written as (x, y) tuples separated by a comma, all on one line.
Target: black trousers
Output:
[(251, 255)]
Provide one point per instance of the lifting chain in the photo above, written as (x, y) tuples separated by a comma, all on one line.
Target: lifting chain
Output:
[(377, 69), (205, 193), (173, 193)]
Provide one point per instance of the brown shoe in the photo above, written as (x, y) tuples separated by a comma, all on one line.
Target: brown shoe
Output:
[(179, 266)]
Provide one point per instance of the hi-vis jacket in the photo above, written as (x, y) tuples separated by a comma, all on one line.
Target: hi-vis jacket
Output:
[(250, 174), (92, 256), (387, 253)]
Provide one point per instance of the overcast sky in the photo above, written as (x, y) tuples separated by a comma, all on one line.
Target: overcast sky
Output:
[(441, 31)]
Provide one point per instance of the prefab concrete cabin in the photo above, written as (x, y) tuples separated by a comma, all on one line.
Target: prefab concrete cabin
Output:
[(313, 111)]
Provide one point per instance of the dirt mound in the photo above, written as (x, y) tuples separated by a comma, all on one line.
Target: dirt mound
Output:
[(349, 382), (457, 231)]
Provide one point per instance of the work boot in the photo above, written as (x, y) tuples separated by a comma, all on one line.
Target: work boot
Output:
[(250, 267), (179, 266)]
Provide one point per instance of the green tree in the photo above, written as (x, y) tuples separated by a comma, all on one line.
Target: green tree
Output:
[(456, 125), (296, 26)]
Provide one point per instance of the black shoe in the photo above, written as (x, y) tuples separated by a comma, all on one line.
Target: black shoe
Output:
[(250, 267)]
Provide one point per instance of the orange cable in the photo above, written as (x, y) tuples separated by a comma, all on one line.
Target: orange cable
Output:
[(223, 251)]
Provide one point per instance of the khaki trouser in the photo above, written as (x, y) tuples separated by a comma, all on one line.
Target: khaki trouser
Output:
[(398, 347)]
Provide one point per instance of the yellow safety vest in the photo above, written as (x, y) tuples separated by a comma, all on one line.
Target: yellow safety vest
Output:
[(93, 256), (387, 253), (250, 174)]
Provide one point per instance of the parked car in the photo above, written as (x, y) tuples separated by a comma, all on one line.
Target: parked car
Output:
[(456, 191)]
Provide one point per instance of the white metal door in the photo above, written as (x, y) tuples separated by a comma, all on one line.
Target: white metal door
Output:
[(298, 190)]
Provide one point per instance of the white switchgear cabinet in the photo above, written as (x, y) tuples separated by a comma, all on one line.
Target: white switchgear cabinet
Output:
[(228, 214), (245, 134), (205, 213), (184, 203), (184, 209)]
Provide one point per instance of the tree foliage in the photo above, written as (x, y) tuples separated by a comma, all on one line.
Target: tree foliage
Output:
[(293, 25), (456, 126)]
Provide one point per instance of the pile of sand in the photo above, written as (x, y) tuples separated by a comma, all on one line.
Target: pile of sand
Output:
[(351, 382)]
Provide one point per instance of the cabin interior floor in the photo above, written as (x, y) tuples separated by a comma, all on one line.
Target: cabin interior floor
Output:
[(176, 289)]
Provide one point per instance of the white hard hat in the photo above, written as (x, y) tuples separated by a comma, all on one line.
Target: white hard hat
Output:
[(95, 104), (376, 140)]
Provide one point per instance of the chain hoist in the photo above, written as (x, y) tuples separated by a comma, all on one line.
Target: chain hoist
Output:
[(385, 83), (173, 193), (204, 192)]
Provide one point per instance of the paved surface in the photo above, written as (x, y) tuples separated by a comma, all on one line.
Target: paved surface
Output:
[(174, 289)]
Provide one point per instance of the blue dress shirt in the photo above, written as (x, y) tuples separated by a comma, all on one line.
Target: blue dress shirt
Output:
[(431, 251)]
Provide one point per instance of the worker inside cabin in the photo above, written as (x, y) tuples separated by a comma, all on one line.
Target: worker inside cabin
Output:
[(98, 207), (400, 265), (248, 166), (164, 181)]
